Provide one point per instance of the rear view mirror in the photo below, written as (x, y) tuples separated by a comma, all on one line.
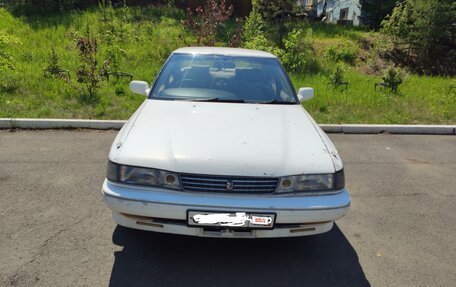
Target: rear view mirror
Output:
[(305, 94), (139, 87)]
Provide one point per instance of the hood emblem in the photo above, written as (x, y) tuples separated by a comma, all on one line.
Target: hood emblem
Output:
[(229, 185)]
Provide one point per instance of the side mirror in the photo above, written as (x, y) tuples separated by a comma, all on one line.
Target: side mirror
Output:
[(305, 94), (139, 87)]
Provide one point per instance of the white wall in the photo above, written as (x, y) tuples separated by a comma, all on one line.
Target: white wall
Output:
[(333, 10)]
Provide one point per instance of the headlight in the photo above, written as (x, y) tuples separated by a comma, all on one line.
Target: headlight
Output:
[(318, 183), (142, 176)]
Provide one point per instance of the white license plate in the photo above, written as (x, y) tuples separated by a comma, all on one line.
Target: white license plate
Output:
[(230, 219)]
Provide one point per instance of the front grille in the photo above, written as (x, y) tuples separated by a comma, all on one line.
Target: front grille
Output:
[(228, 184)]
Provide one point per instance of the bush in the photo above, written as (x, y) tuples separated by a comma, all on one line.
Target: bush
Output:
[(234, 33), (338, 75), (393, 77), (342, 53), (260, 42), (88, 73), (53, 61), (299, 55), (265, 29), (6, 60), (254, 34), (254, 25), (205, 20)]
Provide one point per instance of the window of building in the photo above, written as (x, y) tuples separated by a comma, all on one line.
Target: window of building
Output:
[(343, 14)]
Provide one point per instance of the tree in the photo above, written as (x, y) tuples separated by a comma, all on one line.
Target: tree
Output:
[(275, 13), (374, 11), (426, 30), (205, 20), (42, 5), (88, 74)]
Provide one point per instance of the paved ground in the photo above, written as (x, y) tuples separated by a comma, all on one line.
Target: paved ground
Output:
[(55, 231)]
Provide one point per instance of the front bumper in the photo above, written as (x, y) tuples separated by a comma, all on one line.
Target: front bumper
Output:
[(164, 210)]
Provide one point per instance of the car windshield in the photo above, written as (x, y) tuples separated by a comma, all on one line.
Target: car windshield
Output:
[(218, 78)]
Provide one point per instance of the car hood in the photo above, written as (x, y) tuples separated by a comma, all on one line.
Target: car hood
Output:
[(223, 139)]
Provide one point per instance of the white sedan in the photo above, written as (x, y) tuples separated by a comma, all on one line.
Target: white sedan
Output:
[(222, 147)]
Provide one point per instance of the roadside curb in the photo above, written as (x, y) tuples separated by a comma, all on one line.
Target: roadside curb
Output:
[(390, 129), (12, 123)]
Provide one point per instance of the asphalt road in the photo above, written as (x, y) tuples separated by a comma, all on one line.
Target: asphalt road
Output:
[(55, 231)]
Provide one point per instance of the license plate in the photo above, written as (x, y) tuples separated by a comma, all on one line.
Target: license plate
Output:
[(230, 219)]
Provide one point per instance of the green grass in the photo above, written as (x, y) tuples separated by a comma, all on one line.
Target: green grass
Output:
[(149, 37), (420, 100), (145, 39), (325, 31)]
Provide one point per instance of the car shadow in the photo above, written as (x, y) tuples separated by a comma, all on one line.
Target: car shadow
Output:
[(154, 259)]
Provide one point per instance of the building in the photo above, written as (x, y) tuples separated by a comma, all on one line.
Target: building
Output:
[(345, 12)]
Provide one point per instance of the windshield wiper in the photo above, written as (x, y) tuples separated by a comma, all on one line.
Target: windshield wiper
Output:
[(276, 102), (219, 100)]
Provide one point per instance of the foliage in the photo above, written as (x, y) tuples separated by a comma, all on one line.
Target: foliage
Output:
[(53, 68), (423, 100), (423, 35), (107, 13), (342, 53), (53, 61), (150, 33), (260, 42), (254, 34), (275, 13), (273, 9), (41, 6), (88, 73), (338, 75), (205, 20), (393, 76), (113, 30), (254, 24), (171, 3), (374, 11), (293, 48), (299, 55), (153, 32), (167, 35), (400, 23), (235, 34), (6, 60)]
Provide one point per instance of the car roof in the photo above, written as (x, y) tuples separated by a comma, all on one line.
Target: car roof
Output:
[(224, 51)]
